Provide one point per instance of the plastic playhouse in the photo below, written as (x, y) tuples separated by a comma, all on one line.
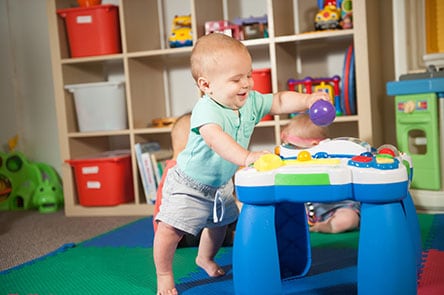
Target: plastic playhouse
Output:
[(419, 107), (272, 239), (26, 185)]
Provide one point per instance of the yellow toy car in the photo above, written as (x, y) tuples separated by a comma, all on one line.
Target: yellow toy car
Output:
[(328, 18), (181, 32)]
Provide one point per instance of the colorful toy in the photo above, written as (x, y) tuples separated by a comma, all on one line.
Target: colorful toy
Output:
[(348, 92), (181, 32), (26, 185), (322, 113), (253, 27), (225, 27), (320, 84), (272, 237), (328, 17), (346, 14), (419, 104), (334, 15)]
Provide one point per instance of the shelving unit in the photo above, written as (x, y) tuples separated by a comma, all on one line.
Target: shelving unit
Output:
[(158, 82)]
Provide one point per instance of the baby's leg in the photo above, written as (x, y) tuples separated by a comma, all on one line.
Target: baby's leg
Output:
[(344, 219), (210, 242), (165, 244)]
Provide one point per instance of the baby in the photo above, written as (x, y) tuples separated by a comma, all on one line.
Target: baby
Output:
[(333, 217), (197, 196)]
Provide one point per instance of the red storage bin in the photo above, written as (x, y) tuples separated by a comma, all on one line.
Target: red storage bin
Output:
[(92, 30), (262, 84), (104, 180), (262, 80)]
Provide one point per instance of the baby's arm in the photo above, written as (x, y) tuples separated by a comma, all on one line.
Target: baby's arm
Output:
[(226, 147), (286, 102)]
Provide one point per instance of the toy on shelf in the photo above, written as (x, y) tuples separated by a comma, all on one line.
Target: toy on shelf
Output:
[(346, 14), (225, 27), (308, 85), (163, 122), (253, 27), (26, 185), (348, 93), (240, 28), (88, 3), (333, 15), (181, 35)]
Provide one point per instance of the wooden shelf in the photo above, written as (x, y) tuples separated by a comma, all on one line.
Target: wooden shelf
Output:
[(158, 82)]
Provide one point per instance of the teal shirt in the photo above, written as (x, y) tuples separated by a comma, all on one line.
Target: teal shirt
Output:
[(198, 160)]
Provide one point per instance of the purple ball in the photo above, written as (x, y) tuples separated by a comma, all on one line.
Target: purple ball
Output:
[(322, 113)]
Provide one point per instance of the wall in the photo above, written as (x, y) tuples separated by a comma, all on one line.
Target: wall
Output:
[(27, 100)]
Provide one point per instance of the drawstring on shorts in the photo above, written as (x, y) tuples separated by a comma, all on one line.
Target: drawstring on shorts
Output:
[(218, 198)]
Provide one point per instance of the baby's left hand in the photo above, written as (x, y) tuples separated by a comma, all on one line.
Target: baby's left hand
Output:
[(318, 95)]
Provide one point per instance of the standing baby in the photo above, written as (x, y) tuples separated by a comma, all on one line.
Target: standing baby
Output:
[(198, 191)]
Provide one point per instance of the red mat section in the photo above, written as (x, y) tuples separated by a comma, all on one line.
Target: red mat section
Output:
[(431, 279)]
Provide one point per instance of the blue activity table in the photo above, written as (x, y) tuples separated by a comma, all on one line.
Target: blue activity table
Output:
[(272, 237)]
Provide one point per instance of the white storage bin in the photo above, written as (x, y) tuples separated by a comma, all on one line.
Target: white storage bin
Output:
[(100, 106)]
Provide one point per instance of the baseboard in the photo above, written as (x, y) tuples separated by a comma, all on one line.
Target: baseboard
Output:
[(428, 201)]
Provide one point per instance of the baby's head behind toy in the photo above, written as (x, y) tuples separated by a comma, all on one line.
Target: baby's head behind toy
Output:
[(302, 133)]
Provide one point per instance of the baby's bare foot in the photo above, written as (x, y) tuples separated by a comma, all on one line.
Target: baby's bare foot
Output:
[(165, 285), (212, 268)]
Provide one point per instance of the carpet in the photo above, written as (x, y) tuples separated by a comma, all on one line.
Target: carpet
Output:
[(121, 262)]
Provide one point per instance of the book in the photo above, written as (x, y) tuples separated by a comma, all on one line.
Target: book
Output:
[(157, 173), (158, 159), (143, 154)]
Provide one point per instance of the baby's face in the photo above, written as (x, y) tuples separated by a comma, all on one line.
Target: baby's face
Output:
[(230, 81)]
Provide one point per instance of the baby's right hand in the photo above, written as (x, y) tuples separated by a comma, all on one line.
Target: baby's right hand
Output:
[(253, 156), (317, 95)]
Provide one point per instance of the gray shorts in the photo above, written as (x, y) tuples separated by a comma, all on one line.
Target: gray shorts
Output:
[(191, 206)]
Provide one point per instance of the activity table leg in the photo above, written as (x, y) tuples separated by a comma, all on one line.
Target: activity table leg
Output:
[(415, 230), (386, 256), (255, 252)]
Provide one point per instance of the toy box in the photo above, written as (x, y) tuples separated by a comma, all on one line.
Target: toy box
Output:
[(100, 106), (262, 83), (92, 30), (262, 80), (105, 179)]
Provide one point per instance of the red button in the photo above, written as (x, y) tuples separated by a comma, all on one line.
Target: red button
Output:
[(362, 159)]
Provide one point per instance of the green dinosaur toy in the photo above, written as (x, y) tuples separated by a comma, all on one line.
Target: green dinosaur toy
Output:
[(26, 185)]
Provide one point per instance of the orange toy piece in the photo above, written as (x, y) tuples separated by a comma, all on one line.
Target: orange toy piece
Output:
[(162, 122), (88, 3)]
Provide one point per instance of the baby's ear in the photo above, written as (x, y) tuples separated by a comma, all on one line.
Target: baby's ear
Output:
[(203, 84)]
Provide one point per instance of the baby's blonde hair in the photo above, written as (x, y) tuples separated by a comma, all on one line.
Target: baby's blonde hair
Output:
[(210, 51)]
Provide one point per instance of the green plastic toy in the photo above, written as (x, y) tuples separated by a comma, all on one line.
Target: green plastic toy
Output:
[(27, 185)]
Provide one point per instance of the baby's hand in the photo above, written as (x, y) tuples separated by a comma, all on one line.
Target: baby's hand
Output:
[(253, 156), (318, 95)]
